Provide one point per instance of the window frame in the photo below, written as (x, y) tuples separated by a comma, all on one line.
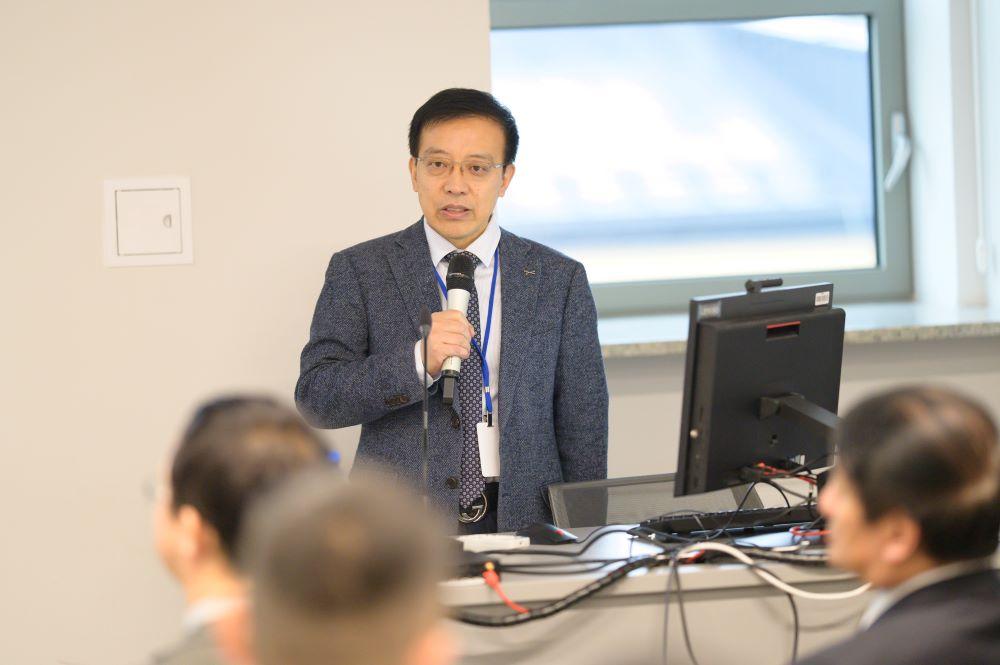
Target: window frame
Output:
[(892, 279)]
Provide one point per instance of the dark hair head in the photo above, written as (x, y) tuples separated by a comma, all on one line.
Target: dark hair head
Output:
[(234, 449), (341, 572), (934, 454), (456, 103)]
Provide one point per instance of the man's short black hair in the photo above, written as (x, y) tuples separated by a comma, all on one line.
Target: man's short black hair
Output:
[(456, 103), (234, 449), (934, 454)]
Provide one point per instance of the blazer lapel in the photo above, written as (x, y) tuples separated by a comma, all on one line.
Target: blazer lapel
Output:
[(519, 295), (411, 267)]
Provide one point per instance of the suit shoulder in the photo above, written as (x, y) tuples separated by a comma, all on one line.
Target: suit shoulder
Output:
[(371, 247), (547, 254)]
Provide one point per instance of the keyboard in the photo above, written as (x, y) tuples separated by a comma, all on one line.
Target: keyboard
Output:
[(756, 520)]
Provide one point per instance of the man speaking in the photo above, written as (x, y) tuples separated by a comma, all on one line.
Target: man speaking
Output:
[(530, 402)]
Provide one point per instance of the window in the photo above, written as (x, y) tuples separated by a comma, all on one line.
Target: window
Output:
[(677, 153)]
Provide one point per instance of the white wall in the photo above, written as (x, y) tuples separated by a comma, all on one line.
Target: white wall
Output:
[(291, 119), (943, 170), (646, 392), (987, 24)]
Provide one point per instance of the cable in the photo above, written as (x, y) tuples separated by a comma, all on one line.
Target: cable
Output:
[(674, 575), (493, 580), (667, 557), (561, 604), (587, 543), (793, 557), (722, 530), (769, 577), (796, 627), (558, 564), (775, 472), (804, 532), (585, 566), (783, 492)]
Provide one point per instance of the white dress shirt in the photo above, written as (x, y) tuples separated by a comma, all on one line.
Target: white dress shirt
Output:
[(209, 610), (484, 247)]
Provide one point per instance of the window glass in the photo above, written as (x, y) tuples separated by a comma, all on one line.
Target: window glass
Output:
[(665, 151)]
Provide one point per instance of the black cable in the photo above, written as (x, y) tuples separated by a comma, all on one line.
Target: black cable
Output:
[(796, 629), (795, 558), (807, 466), (674, 574), (680, 606), (556, 564), (739, 507), (782, 491), (582, 569), (557, 606), (587, 542)]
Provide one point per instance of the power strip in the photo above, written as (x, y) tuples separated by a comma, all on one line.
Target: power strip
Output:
[(483, 542)]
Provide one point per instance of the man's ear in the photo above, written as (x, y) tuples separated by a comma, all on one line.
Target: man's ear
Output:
[(198, 538), (508, 173), (413, 173), (900, 537)]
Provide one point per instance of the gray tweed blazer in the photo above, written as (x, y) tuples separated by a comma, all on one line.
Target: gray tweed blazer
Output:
[(358, 368)]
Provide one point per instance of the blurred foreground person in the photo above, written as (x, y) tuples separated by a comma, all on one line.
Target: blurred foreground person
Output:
[(346, 574), (913, 507), (232, 451)]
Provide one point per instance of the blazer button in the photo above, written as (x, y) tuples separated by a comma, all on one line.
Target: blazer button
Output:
[(456, 422), (396, 400), (452, 482)]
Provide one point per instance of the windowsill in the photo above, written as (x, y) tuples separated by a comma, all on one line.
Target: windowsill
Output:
[(868, 323)]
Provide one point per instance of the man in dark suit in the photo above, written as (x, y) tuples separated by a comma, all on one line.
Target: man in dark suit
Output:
[(914, 508), (531, 404), (233, 451)]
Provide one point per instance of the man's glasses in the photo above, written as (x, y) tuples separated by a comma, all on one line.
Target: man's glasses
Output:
[(476, 169)]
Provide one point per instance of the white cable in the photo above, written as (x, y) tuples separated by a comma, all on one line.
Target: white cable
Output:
[(771, 579)]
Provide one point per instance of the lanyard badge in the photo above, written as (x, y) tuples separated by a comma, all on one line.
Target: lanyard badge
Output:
[(481, 350)]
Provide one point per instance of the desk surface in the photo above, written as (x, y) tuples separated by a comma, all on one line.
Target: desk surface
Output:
[(731, 613), (536, 588)]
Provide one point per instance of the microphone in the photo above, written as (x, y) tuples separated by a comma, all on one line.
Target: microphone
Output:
[(461, 283), (425, 331)]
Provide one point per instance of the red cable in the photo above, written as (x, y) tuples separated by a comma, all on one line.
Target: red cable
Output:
[(493, 581), (799, 532), (775, 471)]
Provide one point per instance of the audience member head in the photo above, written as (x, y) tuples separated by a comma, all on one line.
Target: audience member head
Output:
[(233, 450), (345, 573), (917, 485)]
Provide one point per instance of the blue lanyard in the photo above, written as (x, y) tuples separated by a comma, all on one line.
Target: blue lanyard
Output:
[(486, 335)]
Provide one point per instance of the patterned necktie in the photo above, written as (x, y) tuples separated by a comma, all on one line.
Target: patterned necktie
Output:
[(470, 400)]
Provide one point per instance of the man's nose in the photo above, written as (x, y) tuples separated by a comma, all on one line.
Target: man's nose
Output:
[(455, 182)]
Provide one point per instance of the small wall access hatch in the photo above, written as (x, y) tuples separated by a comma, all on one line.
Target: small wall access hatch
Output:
[(147, 221)]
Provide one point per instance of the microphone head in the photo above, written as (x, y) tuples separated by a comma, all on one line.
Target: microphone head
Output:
[(461, 273)]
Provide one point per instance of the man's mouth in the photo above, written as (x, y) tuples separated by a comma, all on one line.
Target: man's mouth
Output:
[(454, 211)]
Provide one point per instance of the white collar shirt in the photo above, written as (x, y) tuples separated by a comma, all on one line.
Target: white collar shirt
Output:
[(484, 248)]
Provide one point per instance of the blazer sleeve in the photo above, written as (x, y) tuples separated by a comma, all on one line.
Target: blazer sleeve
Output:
[(340, 382), (581, 389)]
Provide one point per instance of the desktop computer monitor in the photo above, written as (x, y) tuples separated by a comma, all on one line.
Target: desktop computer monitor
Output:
[(761, 383)]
